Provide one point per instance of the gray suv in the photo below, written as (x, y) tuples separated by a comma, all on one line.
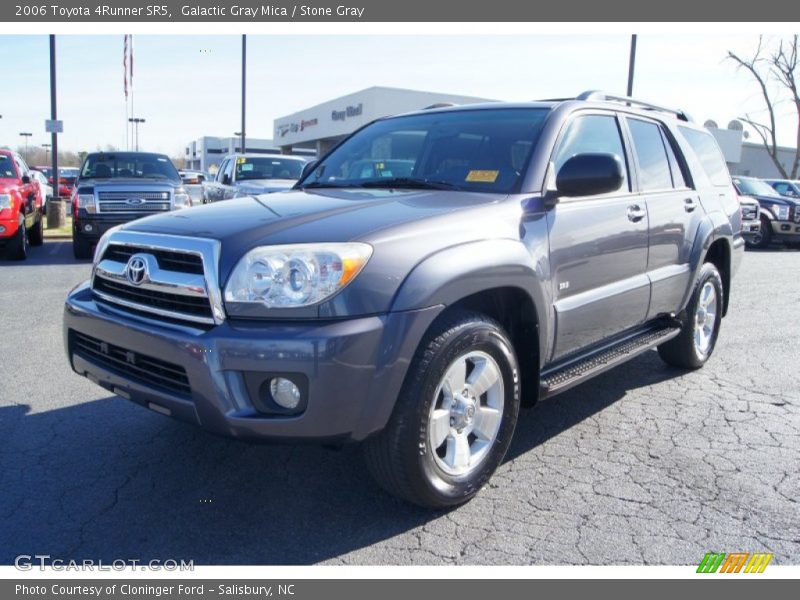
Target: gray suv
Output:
[(524, 249)]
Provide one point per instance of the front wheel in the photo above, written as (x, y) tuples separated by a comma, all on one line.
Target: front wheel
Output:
[(18, 246), (763, 238), (454, 419), (693, 346)]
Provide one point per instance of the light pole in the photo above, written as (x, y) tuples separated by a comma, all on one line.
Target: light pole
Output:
[(136, 121), (631, 64), (26, 135), (46, 150), (244, 89)]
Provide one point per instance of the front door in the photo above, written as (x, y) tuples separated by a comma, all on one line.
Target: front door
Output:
[(598, 246)]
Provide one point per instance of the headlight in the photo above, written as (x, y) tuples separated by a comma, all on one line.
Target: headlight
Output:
[(87, 202), (293, 276), (781, 212), (5, 201), (181, 199)]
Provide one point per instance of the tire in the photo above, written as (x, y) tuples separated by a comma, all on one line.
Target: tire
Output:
[(765, 232), (18, 246), (81, 248), (405, 459), (695, 343), (36, 235)]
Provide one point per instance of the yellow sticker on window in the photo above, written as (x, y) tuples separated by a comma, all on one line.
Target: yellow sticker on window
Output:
[(241, 160), (482, 176)]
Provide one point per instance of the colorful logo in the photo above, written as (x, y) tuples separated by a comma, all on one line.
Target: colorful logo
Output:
[(735, 562)]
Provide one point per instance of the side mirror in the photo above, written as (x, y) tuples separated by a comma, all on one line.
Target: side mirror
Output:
[(589, 174), (308, 168), (26, 179), (226, 179)]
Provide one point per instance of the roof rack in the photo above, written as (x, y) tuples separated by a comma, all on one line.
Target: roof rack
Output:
[(599, 96)]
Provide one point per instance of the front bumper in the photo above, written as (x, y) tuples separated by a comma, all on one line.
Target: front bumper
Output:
[(750, 229), (353, 368), (786, 230)]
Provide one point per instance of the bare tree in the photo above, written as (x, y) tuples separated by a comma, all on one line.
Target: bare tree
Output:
[(775, 72)]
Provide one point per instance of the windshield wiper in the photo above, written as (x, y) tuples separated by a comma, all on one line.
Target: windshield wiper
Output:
[(325, 184), (408, 182)]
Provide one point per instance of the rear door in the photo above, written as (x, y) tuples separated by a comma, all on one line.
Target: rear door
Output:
[(598, 245), (674, 210)]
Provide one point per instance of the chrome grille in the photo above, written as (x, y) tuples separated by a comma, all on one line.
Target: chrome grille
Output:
[(133, 202), (168, 278)]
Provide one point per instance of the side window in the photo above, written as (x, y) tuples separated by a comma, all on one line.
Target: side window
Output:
[(593, 133), (707, 150), (222, 170), (229, 169), (654, 172), (678, 178), (22, 168)]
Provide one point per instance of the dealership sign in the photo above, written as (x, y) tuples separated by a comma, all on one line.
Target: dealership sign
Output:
[(296, 127), (350, 111)]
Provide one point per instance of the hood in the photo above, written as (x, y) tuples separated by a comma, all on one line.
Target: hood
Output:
[(747, 200), (320, 215), (128, 182), (783, 200), (260, 186)]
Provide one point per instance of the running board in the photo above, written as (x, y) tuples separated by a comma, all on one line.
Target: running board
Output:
[(566, 375)]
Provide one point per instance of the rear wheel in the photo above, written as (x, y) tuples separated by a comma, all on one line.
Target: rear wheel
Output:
[(698, 337), (36, 234), (81, 248), (455, 416)]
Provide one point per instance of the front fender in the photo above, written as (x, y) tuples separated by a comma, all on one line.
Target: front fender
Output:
[(460, 271)]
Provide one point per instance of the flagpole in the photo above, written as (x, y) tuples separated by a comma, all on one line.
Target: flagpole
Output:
[(130, 67), (125, 82)]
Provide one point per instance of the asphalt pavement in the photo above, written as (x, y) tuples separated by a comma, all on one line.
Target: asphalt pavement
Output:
[(644, 465)]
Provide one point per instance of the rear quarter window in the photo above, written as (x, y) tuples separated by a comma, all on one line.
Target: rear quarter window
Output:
[(707, 150)]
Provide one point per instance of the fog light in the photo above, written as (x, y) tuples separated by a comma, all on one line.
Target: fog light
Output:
[(284, 392), (88, 227)]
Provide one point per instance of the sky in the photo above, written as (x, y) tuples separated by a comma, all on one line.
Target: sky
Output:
[(189, 86)]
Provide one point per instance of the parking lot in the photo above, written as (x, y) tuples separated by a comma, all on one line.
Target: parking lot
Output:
[(645, 464)]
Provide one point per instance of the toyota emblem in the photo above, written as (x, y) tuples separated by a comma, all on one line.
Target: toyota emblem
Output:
[(136, 270)]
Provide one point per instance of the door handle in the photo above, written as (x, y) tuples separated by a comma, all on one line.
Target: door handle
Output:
[(689, 204), (636, 213)]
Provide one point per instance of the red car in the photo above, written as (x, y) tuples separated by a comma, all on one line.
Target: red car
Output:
[(21, 221), (66, 179)]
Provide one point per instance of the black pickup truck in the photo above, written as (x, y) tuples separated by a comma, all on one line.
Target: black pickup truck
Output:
[(524, 249), (113, 188)]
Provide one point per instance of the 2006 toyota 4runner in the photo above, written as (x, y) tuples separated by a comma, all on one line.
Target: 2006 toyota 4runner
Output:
[(523, 249)]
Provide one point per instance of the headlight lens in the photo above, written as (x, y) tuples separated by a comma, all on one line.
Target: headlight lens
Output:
[(293, 276), (181, 199), (5, 201), (781, 212), (86, 202)]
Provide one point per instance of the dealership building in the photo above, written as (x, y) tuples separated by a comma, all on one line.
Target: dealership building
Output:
[(320, 127), (313, 131)]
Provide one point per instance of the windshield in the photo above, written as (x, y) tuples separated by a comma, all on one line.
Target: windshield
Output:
[(754, 187), (267, 168), (68, 172), (127, 165), (483, 150), (7, 167)]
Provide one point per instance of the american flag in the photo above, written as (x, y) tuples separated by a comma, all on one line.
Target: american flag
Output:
[(127, 62)]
